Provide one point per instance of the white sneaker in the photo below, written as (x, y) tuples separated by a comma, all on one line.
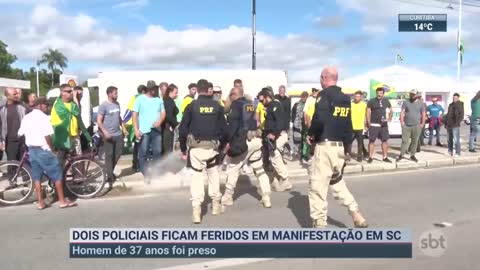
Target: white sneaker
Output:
[(457, 155)]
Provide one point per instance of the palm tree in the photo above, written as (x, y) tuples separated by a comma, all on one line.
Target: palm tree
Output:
[(54, 59)]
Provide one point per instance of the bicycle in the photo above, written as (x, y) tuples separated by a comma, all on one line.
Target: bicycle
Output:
[(78, 174)]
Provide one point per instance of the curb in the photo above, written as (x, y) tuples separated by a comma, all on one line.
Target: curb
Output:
[(183, 179)]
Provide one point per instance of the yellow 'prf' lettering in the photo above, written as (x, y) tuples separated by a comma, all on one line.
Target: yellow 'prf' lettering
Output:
[(341, 111), (206, 109)]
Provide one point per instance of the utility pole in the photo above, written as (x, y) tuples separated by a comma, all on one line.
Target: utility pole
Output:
[(459, 53), (38, 82), (254, 33)]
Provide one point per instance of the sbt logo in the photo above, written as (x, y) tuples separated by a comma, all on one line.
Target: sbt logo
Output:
[(433, 243)]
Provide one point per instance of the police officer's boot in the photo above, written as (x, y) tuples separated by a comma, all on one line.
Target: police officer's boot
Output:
[(266, 201), (227, 198), (358, 220), (276, 185), (286, 184), (216, 207), (197, 214), (318, 225)]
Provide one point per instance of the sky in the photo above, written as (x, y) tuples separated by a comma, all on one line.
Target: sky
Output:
[(300, 36)]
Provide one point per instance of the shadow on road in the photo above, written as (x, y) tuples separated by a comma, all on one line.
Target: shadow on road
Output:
[(244, 186), (300, 207)]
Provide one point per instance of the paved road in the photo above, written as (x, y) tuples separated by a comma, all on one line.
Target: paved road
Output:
[(32, 239)]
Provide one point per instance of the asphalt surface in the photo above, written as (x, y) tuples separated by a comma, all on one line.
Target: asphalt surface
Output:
[(32, 239)]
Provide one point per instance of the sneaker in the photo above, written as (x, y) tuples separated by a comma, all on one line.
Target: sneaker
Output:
[(399, 158), (370, 160), (472, 150), (413, 158), (387, 160), (359, 160), (227, 199), (457, 155), (266, 201), (439, 144)]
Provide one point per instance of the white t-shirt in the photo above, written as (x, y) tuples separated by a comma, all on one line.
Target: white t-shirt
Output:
[(35, 126)]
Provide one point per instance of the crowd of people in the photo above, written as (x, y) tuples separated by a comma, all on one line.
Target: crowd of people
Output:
[(240, 131)]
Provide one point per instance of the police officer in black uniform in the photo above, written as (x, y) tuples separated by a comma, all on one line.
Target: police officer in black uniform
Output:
[(276, 136), (331, 127), (245, 146), (203, 130)]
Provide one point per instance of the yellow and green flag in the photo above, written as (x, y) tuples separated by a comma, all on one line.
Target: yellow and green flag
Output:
[(374, 84)]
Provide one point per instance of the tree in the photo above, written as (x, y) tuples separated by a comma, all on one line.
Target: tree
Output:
[(44, 79), (54, 59), (6, 60)]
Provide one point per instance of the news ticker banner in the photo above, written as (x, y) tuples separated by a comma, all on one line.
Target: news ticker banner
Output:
[(239, 243)]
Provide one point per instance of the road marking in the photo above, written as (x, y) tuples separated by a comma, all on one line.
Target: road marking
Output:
[(215, 264)]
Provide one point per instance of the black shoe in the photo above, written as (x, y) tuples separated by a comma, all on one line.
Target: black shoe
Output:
[(359, 159), (472, 150), (387, 160), (439, 144), (399, 158), (370, 160), (429, 144), (413, 158)]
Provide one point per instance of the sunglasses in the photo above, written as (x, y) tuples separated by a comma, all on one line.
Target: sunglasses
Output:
[(67, 91)]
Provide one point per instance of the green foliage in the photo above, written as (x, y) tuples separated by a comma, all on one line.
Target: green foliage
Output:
[(6, 60), (55, 61)]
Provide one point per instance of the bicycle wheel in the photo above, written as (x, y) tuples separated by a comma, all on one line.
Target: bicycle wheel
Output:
[(85, 178), (16, 183)]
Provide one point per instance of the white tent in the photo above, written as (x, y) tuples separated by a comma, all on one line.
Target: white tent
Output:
[(403, 79)]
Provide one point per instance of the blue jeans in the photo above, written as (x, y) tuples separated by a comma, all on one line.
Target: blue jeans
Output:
[(474, 129), (153, 141), (436, 128), (454, 139)]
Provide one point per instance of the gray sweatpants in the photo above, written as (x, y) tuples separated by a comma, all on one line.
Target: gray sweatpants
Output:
[(410, 134)]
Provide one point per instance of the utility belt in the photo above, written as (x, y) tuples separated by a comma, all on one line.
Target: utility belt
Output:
[(330, 143), (192, 142)]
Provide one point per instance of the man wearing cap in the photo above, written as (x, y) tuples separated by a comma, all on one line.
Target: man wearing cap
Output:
[(203, 133), (412, 119), (217, 95), (148, 116), (37, 130)]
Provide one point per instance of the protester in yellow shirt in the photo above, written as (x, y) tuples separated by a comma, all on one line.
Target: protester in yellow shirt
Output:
[(192, 90), (260, 113), (309, 108), (359, 111)]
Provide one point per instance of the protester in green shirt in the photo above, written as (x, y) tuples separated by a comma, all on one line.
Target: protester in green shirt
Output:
[(474, 122)]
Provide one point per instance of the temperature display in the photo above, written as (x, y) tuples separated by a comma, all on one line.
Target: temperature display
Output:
[(422, 22)]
